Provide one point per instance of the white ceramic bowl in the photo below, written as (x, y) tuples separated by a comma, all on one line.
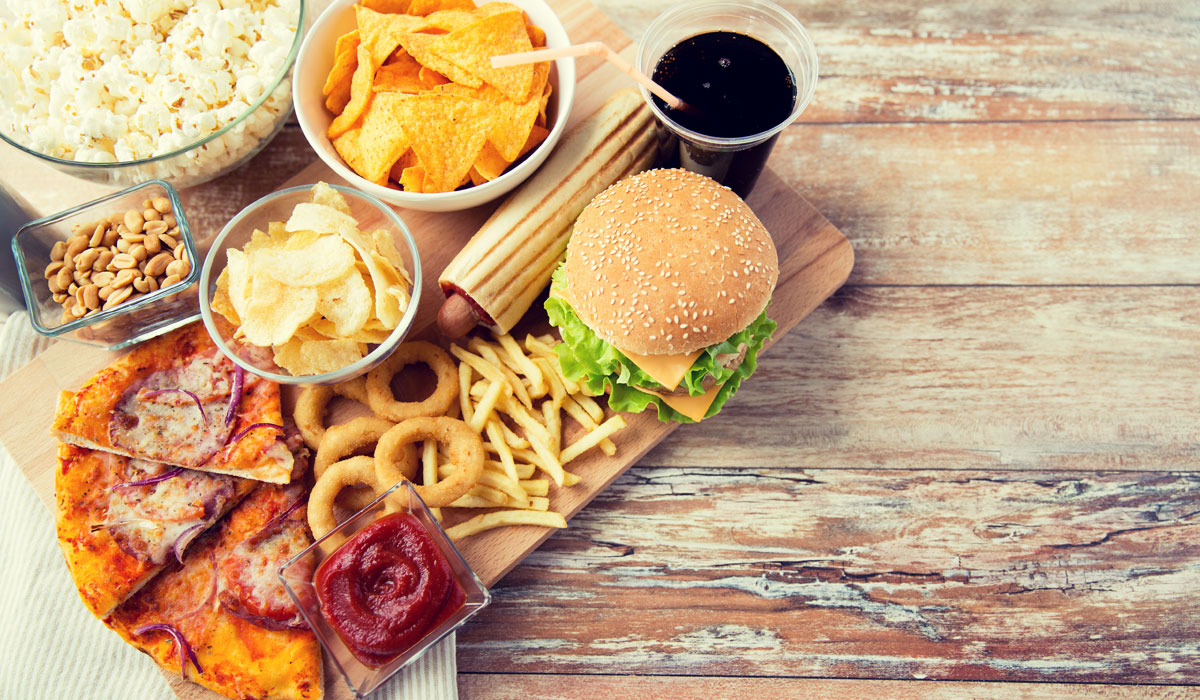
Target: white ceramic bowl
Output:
[(316, 58)]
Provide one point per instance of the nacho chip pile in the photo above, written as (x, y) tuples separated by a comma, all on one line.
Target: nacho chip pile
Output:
[(317, 290), (419, 105)]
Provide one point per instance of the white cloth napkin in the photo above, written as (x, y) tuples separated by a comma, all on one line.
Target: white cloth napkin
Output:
[(52, 647)]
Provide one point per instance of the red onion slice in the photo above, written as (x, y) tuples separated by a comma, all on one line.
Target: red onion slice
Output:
[(185, 538), (212, 591), (180, 643), (242, 434), (152, 480), (235, 394), (193, 397)]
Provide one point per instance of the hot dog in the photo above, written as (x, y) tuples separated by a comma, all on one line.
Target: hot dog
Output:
[(508, 262)]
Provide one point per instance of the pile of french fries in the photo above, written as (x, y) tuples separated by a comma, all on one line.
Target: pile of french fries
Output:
[(521, 382)]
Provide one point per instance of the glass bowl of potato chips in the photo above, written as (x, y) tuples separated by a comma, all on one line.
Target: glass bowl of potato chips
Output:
[(408, 108), (313, 284)]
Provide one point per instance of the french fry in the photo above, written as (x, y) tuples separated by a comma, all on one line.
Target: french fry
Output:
[(539, 503), (554, 382), (500, 447), (570, 479), (500, 518), (523, 365), (582, 417), (524, 470), (539, 438), (487, 493), (499, 481), (591, 439), (486, 407), (535, 487), (488, 353), (464, 390), (468, 500), (477, 363), (429, 469), (593, 409), (553, 420)]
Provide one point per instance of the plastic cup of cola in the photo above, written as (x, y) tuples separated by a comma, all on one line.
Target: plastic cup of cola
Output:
[(740, 97)]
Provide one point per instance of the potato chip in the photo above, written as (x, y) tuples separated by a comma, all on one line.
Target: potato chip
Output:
[(346, 302), (324, 260), (307, 357), (316, 289), (501, 33), (274, 311), (325, 195)]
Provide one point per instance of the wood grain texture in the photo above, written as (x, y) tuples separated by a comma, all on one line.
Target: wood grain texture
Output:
[(899, 61), (508, 686), (1002, 378), (1070, 203), (871, 574)]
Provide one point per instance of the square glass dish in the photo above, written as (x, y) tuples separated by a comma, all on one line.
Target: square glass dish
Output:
[(144, 314), (299, 578)]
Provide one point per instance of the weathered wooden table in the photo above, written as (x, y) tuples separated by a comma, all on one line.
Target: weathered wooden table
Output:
[(972, 473)]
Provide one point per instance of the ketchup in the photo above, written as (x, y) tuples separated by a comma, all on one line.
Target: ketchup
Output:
[(386, 587)]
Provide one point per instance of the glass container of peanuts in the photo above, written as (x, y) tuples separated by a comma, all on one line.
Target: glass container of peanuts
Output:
[(112, 272)]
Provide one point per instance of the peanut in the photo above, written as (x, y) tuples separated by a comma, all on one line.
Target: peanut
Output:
[(53, 268), (124, 261), (159, 264), (162, 204), (98, 234), (75, 246), (150, 214), (134, 221), (103, 278), (59, 251)]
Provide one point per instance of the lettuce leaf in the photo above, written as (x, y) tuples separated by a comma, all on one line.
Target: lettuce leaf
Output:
[(588, 359)]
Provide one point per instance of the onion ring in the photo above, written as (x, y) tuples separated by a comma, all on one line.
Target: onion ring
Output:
[(348, 472), (341, 441), (309, 413), (466, 453), (379, 382)]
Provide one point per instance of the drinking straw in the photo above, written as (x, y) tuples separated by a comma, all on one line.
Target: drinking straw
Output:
[(591, 48)]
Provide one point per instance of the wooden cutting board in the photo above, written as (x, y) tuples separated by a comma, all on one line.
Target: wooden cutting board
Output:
[(815, 260)]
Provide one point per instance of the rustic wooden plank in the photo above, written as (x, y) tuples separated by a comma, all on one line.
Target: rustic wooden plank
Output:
[(980, 575), (969, 377), (507, 686), (1074, 203), (893, 61), (1081, 203)]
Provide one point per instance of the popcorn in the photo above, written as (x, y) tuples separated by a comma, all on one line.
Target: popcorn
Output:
[(127, 80)]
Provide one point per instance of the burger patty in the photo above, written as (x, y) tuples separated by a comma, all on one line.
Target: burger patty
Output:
[(728, 360)]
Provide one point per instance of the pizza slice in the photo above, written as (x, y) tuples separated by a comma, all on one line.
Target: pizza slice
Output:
[(177, 400), (120, 521), (223, 618)]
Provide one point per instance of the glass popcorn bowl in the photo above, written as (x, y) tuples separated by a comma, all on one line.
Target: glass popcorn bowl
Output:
[(150, 315), (370, 213), (299, 578), (209, 156)]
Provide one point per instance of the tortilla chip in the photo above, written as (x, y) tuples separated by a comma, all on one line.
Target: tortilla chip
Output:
[(426, 7), (413, 179), (392, 7), (447, 134), (449, 20), (360, 95), (420, 46), (406, 160), (537, 35), (383, 33), (382, 139), (401, 74), (472, 47)]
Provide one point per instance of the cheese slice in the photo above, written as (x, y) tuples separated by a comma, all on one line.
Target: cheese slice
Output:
[(693, 407), (667, 370)]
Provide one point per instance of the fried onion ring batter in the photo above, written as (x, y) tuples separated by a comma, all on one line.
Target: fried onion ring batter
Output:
[(379, 382), (355, 471), (309, 413), (466, 453)]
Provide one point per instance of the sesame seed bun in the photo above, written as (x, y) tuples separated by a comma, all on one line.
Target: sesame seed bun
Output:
[(668, 262)]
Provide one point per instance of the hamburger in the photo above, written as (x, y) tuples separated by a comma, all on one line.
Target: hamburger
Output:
[(663, 296)]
